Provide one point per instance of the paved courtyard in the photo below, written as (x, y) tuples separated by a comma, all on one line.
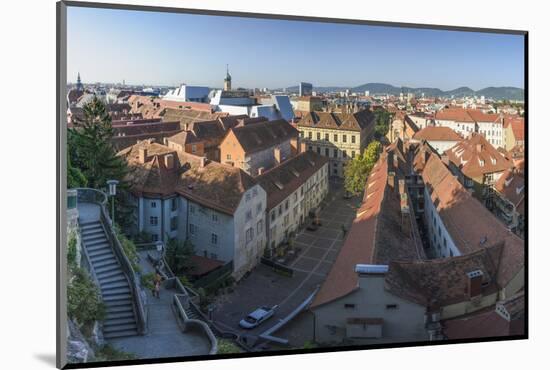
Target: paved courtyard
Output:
[(164, 338), (318, 251)]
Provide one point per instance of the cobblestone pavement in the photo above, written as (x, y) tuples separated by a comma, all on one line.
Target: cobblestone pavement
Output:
[(164, 338), (318, 251)]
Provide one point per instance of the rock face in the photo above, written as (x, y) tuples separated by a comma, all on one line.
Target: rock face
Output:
[(78, 349)]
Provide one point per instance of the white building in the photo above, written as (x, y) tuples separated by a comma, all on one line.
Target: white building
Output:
[(219, 208), (185, 93), (440, 138)]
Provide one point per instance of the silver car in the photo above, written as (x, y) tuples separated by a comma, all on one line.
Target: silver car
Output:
[(257, 317)]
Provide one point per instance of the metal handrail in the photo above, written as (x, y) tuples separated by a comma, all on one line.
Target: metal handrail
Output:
[(127, 267), (89, 195)]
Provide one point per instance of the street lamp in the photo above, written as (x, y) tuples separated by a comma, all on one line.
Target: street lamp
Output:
[(160, 247), (112, 192)]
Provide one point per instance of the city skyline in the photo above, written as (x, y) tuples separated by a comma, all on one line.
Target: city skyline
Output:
[(152, 48)]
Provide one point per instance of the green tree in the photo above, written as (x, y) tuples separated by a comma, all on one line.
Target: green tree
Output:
[(93, 158), (75, 177), (381, 122), (83, 302), (178, 255), (357, 170)]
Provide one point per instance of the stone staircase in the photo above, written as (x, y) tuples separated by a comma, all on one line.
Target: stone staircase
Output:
[(113, 283)]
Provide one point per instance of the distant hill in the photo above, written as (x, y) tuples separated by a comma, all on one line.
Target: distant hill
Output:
[(509, 93)]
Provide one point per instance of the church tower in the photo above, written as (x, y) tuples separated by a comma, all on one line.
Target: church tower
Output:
[(227, 80), (79, 85)]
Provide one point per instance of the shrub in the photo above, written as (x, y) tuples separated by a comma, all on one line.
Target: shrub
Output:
[(110, 353), (83, 302), (147, 281), (225, 346), (71, 251)]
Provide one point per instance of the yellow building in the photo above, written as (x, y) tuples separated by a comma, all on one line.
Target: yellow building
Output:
[(338, 136)]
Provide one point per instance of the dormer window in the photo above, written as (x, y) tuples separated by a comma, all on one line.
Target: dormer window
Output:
[(481, 162)]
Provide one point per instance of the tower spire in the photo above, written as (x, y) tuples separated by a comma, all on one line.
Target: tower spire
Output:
[(79, 86)]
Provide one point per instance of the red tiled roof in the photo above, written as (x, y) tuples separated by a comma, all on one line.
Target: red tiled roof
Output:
[(468, 221), (375, 237), (454, 114), (437, 133), (291, 174), (511, 185), (475, 157), (339, 121), (261, 135), (203, 265), (215, 185)]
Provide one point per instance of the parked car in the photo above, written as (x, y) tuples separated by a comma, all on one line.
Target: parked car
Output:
[(257, 317)]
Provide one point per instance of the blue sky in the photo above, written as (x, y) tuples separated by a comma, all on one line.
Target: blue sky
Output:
[(163, 48)]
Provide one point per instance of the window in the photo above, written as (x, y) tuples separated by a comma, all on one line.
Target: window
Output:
[(214, 217), (326, 152), (352, 153), (295, 211), (335, 153), (174, 203), (318, 136), (302, 190), (153, 220), (345, 138), (301, 134), (247, 197), (295, 196), (310, 148), (318, 150), (349, 305), (344, 154), (154, 237), (192, 229), (174, 223), (248, 215), (353, 139), (249, 235), (214, 239), (259, 227), (335, 138), (229, 157), (153, 204), (326, 137), (213, 256), (192, 208), (286, 220), (310, 135), (286, 205), (273, 215), (280, 209), (259, 208), (391, 306), (254, 192), (193, 148)]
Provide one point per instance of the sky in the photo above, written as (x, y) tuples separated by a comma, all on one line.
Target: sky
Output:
[(156, 48)]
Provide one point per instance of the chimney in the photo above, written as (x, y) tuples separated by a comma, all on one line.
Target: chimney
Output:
[(391, 179), (277, 155), (474, 283), (403, 196), (303, 147), (142, 155), (261, 171), (445, 159), (169, 161), (203, 161)]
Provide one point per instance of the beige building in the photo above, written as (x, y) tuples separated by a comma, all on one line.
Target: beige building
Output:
[(338, 136), (294, 190)]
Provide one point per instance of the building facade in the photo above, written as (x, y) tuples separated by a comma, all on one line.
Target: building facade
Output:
[(337, 136), (295, 191), (220, 209)]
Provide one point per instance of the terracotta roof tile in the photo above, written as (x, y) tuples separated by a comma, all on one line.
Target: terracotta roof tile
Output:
[(475, 157), (291, 174), (437, 133)]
